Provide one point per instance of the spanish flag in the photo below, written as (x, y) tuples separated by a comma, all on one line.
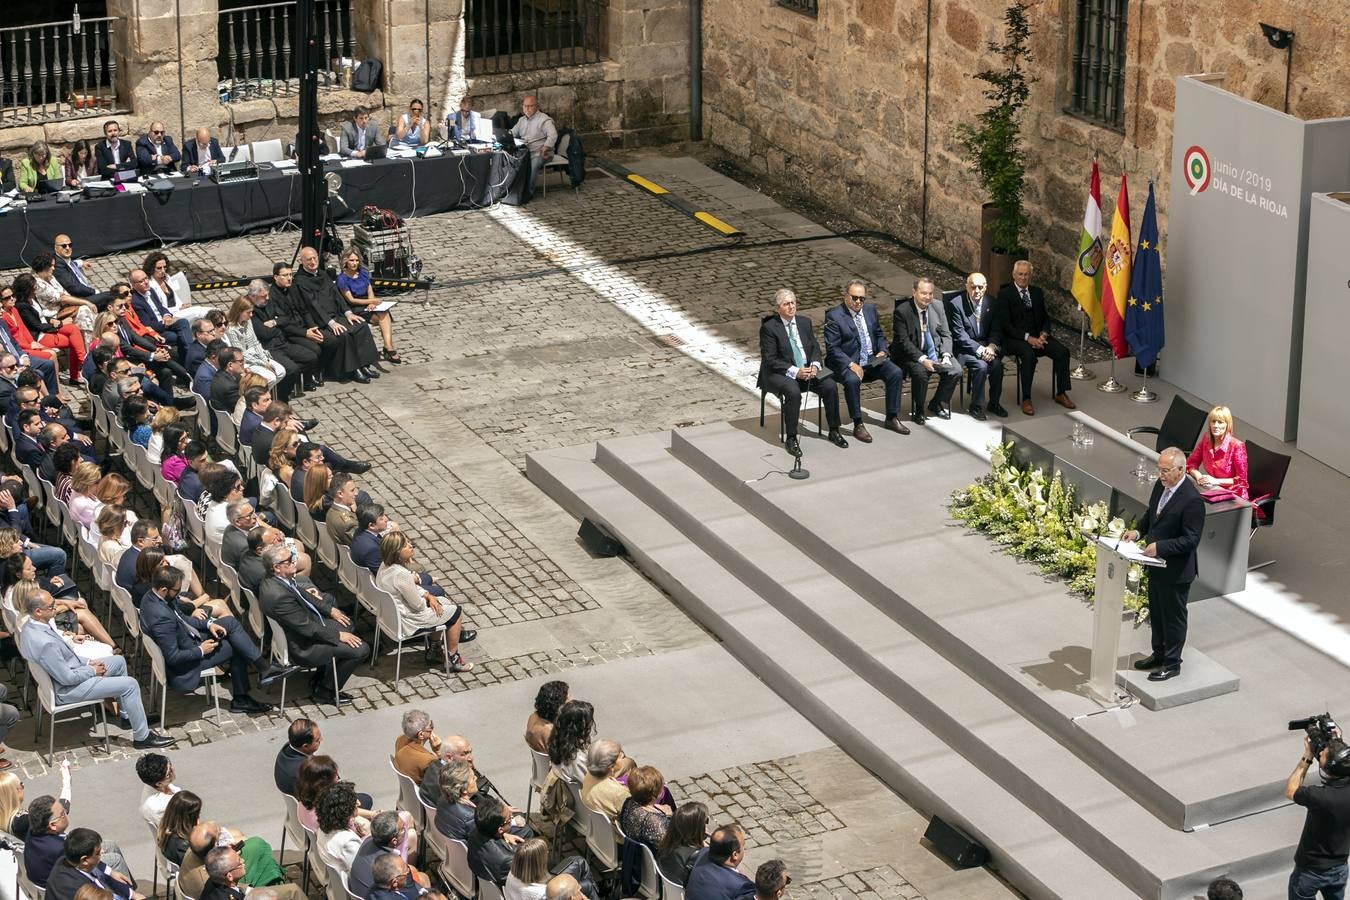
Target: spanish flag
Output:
[(1087, 271), (1116, 285)]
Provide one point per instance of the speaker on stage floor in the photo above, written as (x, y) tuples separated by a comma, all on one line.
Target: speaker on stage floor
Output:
[(598, 541), (951, 842)]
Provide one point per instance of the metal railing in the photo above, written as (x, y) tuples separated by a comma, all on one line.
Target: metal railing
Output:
[(805, 7), (57, 70), (259, 48), (520, 35), (1099, 62)]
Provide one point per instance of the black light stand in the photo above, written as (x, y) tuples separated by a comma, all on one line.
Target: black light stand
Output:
[(309, 141)]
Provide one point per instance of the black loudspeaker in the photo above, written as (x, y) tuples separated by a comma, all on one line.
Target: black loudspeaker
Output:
[(951, 842), (598, 541)]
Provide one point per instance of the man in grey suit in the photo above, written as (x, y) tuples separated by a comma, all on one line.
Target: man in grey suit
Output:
[(357, 136), (923, 345), (76, 681)]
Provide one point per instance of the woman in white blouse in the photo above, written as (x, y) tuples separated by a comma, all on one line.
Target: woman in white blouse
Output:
[(419, 607), (239, 333), (157, 267), (340, 831), (529, 871)]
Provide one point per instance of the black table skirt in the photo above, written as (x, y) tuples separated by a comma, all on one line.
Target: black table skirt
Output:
[(200, 210)]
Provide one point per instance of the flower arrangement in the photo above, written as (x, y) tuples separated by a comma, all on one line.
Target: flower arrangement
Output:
[(1036, 518)]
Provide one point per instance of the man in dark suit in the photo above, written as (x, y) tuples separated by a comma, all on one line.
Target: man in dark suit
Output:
[(224, 872), (392, 879), (789, 363), (855, 349), (225, 385), (175, 330), (205, 375), (203, 333), (142, 348), (81, 864), (386, 833), (714, 875), (1173, 523), (1022, 329), (112, 154), (314, 626), (302, 741), (192, 645), (73, 274), (155, 151), (26, 446), (923, 348), (273, 339), (201, 153), (970, 315)]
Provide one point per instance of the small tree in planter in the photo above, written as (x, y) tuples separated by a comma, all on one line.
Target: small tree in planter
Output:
[(994, 143)]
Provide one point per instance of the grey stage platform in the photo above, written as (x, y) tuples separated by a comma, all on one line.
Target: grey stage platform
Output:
[(951, 670)]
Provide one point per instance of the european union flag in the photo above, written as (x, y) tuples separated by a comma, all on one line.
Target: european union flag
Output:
[(1144, 310)]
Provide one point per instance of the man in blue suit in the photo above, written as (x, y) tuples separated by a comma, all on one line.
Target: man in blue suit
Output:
[(155, 151), (971, 315), (75, 680), (855, 349), (714, 875), (206, 372), (192, 644), (175, 330), (200, 154), (113, 155)]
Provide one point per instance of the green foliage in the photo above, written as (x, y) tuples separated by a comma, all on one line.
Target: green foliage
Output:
[(1039, 520), (994, 144)]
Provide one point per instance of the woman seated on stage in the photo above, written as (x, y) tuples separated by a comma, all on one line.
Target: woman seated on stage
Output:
[(353, 282), (1219, 460), (80, 164)]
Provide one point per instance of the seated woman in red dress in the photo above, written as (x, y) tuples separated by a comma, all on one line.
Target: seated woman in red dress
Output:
[(1219, 460)]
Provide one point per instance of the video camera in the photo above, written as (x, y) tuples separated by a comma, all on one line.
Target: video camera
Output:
[(1321, 730)]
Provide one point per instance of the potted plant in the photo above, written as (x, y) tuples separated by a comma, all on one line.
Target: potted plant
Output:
[(993, 144)]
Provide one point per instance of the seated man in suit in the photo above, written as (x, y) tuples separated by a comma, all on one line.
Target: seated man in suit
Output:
[(225, 385), (191, 645), (357, 136), (789, 363), (203, 333), (75, 680), (201, 153), (1022, 328), (714, 875), (278, 414), (924, 347), (315, 627), (387, 833), (256, 401), (144, 345), (155, 151), (855, 349), (82, 863), (26, 446), (347, 349), (392, 879), (970, 315), (73, 274), (1173, 524), (112, 154), (252, 571), (205, 376), (242, 518), (372, 523), (175, 330)]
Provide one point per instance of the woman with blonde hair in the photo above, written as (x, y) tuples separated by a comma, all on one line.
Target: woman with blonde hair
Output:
[(1219, 461), (281, 458), (529, 873), (13, 809), (166, 416), (421, 608), (317, 479), (247, 382), (111, 522), (84, 504), (354, 284), (75, 622), (239, 333)]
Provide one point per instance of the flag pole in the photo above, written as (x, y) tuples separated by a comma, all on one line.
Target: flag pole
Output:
[(1110, 385), (1081, 372), (1143, 395)]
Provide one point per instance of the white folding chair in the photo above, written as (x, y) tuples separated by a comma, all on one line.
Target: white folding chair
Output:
[(669, 889), (347, 575), (227, 433), (539, 767), (240, 152), (47, 702), (337, 884), (268, 151), (280, 653), (327, 548), (600, 838), (488, 890), (283, 504), (454, 856), (293, 829), (305, 527), (389, 623), (650, 886), (409, 800), (558, 162), (159, 673)]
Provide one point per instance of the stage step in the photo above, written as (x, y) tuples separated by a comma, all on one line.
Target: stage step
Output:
[(964, 598), (868, 725), (1104, 821)]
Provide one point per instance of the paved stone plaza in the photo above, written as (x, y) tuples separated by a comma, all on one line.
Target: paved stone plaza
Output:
[(582, 316)]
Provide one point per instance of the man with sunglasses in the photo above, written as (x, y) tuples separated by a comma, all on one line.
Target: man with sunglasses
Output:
[(138, 345), (150, 310), (73, 274), (155, 151)]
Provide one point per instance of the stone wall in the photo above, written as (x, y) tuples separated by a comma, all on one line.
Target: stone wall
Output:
[(639, 93), (836, 105)]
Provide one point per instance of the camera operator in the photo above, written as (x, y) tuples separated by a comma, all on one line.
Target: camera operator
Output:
[(1320, 860)]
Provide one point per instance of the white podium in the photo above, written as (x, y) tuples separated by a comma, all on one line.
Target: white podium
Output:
[(1113, 566)]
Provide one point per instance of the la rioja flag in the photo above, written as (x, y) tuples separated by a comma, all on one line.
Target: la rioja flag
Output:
[(1087, 270), (1116, 285)]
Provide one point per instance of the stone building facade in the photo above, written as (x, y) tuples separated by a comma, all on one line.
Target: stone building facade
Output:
[(859, 104), (638, 92)]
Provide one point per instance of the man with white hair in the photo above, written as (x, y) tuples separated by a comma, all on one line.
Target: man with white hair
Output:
[(536, 131), (418, 746), (1173, 523), (789, 364)]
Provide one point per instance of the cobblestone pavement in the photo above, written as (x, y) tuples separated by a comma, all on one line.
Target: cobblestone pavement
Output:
[(513, 351)]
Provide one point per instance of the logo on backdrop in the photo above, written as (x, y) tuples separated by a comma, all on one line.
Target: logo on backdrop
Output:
[(1195, 167)]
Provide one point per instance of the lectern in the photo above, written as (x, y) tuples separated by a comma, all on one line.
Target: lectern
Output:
[(1113, 566)]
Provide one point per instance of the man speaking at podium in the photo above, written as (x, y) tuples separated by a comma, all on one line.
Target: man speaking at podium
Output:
[(1173, 523)]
